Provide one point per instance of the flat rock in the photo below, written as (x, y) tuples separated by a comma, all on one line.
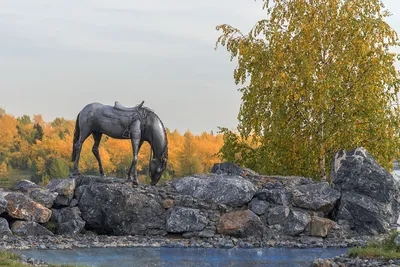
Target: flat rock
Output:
[(20, 206), (316, 197), (29, 228), (221, 189), (180, 219), (240, 224)]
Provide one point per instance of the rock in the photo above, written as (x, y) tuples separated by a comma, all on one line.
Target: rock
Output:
[(315, 196), (168, 203), (240, 224), (296, 222), (65, 189), (29, 228), (20, 206), (258, 206), (73, 202), (3, 204), (277, 214), (370, 195), (275, 193), (320, 226), (207, 232), (397, 240), (230, 168), (112, 206), (4, 227), (43, 196), (69, 221), (25, 186), (221, 189), (180, 220)]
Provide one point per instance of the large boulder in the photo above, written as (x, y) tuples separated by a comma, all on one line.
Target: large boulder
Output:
[(277, 214), (221, 189), (112, 206), (258, 206), (3, 203), (370, 195), (296, 223), (275, 193), (29, 228), (316, 197), (240, 224), (180, 220), (64, 188), (36, 192), (230, 168), (20, 206), (4, 227), (68, 221), (24, 186)]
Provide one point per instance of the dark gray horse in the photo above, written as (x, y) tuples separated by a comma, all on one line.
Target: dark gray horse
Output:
[(138, 124)]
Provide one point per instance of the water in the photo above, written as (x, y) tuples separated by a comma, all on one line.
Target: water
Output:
[(127, 257)]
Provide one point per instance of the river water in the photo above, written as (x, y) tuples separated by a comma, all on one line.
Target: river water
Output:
[(127, 257)]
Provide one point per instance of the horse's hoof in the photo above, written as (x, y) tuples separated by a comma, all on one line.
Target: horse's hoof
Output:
[(129, 178), (102, 175)]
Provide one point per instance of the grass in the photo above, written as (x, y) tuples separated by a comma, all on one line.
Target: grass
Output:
[(385, 249), (9, 259)]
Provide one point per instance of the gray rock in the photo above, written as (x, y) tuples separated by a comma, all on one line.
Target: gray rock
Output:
[(370, 195), (277, 214), (296, 222), (43, 196), (221, 189), (207, 232), (112, 206), (22, 207), (69, 221), (4, 227), (230, 168), (25, 186), (241, 224), (73, 203), (275, 193), (397, 240), (65, 189), (180, 219), (3, 204), (29, 228), (315, 196), (258, 206)]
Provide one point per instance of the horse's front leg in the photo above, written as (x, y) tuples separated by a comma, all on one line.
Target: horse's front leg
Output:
[(135, 139)]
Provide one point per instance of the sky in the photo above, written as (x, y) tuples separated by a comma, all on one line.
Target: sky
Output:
[(56, 56)]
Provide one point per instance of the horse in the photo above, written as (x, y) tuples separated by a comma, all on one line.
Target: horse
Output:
[(137, 123)]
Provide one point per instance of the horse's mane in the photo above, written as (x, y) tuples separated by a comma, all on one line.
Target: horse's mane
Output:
[(149, 111)]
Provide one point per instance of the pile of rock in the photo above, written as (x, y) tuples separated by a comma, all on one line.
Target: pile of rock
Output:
[(361, 199)]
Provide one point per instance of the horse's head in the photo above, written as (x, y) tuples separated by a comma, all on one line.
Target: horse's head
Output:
[(157, 167)]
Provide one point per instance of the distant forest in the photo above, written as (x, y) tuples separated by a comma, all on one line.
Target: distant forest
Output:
[(43, 151)]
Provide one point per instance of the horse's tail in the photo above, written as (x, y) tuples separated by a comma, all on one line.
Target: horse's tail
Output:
[(76, 137)]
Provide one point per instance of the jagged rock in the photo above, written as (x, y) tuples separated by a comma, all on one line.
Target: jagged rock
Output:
[(240, 224), (258, 206), (275, 193), (29, 228), (69, 221), (221, 189), (315, 196), (296, 222), (24, 186), (3, 203), (320, 226), (20, 206), (112, 206), (230, 168), (277, 214), (65, 189), (180, 219), (370, 195), (4, 227)]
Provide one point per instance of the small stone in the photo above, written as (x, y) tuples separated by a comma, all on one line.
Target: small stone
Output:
[(168, 203)]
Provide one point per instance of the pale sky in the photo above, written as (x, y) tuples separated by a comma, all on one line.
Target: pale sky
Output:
[(56, 56)]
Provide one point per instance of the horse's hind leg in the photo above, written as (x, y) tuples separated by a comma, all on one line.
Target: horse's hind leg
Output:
[(95, 150), (78, 146)]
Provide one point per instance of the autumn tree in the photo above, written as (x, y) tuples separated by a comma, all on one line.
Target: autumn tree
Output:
[(318, 76)]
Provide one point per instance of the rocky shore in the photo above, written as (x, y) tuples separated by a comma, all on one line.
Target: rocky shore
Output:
[(230, 207)]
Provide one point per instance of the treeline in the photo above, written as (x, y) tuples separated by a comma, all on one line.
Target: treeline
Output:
[(44, 149)]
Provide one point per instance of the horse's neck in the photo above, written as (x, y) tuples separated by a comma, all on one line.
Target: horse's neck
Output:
[(156, 136)]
